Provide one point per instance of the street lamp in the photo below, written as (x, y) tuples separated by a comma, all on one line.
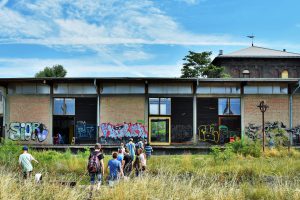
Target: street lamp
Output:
[(263, 108)]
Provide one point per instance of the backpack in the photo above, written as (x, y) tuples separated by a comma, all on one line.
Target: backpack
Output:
[(94, 163)]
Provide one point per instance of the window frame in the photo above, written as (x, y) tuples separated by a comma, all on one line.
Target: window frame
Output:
[(159, 106), (64, 104)]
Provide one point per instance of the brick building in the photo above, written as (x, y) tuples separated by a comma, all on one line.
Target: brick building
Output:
[(258, 62), (165, 111)]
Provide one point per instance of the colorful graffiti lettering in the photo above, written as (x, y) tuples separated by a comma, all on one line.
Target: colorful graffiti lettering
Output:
[(120, 131), (27, 131), (208, 133), (216, 134)]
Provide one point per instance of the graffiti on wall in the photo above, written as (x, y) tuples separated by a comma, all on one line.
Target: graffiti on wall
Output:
[(124, 130), (276, 133), (84, 130), (25, 131), (216, 134), (209, 133), (182, 133), (272, 129)]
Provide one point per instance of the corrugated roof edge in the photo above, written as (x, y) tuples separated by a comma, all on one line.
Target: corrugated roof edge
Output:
[(90, 79)]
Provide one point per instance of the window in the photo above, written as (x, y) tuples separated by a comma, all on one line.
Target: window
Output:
[(160, 130), (160, 106), (229, 106), (285, 74), (64, 106)]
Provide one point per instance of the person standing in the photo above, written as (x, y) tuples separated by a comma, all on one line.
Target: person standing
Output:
[(137, 164), (115, 169), (96, 166), (148, 150), (131, 147), (122, 148), (127, 164), (143, 160), (25, 163), (140, 144), (120, 156)]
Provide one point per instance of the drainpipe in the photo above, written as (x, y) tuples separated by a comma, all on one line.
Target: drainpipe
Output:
[(291, 111)]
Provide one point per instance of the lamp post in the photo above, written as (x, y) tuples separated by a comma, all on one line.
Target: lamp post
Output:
[(263, 108)]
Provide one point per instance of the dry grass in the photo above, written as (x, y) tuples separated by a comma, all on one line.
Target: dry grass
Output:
[(273, 176)]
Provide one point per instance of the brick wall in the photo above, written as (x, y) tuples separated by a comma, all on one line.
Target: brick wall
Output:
[(296, 110), (278, 109), (119, 109), (31, 108)]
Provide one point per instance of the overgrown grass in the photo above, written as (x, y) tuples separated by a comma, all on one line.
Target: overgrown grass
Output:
[(273, 175)]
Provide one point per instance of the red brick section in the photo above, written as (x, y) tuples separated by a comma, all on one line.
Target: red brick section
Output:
[(31, 109), (296, 110), (119, 109), (278, 109)]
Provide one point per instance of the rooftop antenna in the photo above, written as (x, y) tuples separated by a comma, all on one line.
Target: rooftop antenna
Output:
[(252, 37)]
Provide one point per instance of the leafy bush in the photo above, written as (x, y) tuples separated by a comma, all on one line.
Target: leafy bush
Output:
[(220, 155), (246, 147)]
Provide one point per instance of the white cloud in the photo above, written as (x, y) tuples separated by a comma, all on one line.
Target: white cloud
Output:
[(89, 22), (84, 68), (100, 26)]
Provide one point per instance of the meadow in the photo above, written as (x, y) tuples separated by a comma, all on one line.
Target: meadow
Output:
[(220, 175)]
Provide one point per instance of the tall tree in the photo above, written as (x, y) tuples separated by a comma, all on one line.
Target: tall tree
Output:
[(55, 71), (199, 65)]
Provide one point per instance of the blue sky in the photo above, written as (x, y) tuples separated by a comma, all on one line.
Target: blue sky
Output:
[(132, 38)]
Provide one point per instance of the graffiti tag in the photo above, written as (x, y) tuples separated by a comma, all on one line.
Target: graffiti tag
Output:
[(27, 130), (128, 130), (208, 133)]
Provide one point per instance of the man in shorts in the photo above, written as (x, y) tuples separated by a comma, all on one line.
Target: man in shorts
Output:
[(25, 163)]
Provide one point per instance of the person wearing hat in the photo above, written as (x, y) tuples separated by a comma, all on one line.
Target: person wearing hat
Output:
[(131, 147), (25, 162)]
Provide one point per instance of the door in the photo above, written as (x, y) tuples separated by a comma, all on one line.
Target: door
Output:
[(160, 130)]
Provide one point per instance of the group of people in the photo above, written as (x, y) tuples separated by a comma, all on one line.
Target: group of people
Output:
[(130, 157)]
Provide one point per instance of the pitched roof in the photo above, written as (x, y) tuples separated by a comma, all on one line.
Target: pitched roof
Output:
[(260, 52)]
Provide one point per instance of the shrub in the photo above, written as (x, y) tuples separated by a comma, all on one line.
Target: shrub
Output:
[(246, 147)]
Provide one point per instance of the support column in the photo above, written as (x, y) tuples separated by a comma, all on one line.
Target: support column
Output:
[(98, 118), (291, 118), (242, 117), (50, 128), (195, 119)]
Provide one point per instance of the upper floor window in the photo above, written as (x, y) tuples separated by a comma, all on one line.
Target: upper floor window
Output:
[(64, 106), (160, 106), (229, 106), (284, 74)]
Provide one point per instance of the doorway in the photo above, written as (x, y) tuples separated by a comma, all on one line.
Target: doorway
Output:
[(63, 125)]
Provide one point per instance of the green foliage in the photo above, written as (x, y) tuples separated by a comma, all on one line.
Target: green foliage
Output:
[(219, 155), (246, 147), (199, 65), (55, 71)]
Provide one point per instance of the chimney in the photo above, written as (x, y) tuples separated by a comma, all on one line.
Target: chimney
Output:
[(220, 52), (284, 50)]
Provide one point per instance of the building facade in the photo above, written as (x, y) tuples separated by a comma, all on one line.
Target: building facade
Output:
[(258, 62), (164, 111)]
